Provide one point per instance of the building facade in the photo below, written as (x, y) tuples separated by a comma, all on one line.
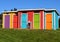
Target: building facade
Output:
[(31, 19)]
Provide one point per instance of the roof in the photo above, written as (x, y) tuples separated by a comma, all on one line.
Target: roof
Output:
[(33, 10)]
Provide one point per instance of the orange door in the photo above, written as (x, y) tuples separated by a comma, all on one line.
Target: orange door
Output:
[(49, 21)]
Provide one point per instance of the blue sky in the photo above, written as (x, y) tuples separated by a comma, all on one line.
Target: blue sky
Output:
[(24, 4)]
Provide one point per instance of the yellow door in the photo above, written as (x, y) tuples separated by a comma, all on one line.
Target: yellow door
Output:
[(49, 21)]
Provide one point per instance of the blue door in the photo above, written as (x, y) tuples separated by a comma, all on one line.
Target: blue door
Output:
[(24, 21)]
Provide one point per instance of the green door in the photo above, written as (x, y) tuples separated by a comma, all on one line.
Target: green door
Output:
[(36, 21)]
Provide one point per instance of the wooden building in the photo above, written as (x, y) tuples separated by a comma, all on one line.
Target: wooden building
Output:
[(31, 19)]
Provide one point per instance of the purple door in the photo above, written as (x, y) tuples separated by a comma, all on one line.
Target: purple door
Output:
[(7, 21)]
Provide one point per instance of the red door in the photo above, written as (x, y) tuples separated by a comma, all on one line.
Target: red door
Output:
[(15, 22)]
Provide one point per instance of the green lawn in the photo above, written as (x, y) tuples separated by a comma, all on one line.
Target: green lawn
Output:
[(7, 35)]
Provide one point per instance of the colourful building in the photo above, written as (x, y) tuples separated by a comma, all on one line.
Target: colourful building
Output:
[(31, 19)]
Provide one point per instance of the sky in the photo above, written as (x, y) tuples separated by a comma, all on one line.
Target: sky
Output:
[(29, 4)]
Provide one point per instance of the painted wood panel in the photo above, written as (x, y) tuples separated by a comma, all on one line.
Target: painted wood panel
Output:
[(49, 21), (15, 23), (56, 21), (36, 21), (52, 20), (30, 19), (3, 20), (57, 26), (19, 19), (7, 21), (11, 19), (24, 21), (41, 20)]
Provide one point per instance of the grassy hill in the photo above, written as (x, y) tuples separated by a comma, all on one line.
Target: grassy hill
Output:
[(7, 35)]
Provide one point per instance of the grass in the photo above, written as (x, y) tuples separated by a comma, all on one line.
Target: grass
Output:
[(7, 35)]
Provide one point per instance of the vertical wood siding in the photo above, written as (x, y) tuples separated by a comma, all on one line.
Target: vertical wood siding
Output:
[(15, 22), (19, 19), (30, 18), (42, 19)]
